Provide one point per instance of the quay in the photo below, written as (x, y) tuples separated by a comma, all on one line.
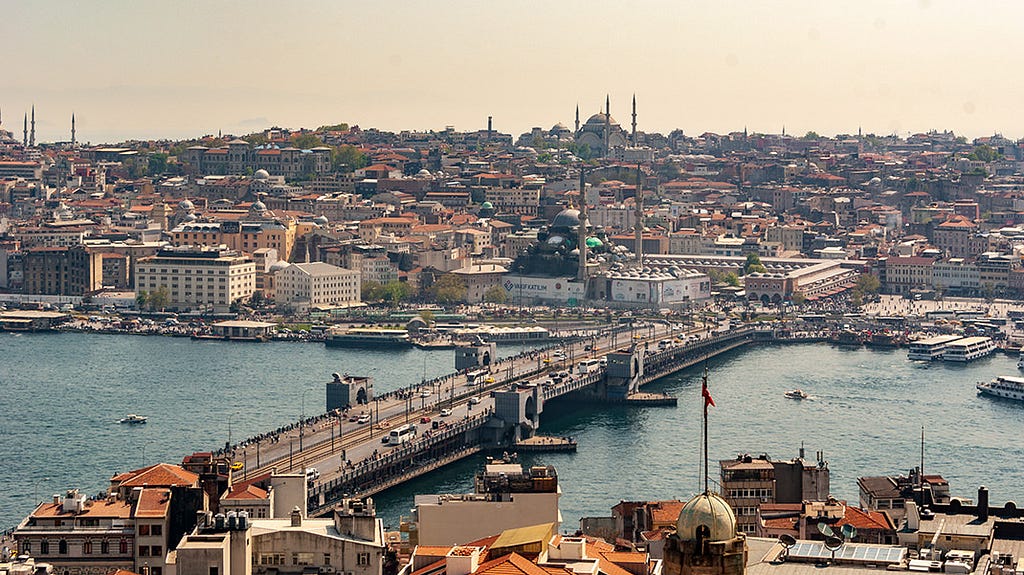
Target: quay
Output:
[(545, 444), (380, 442), (645, 399)]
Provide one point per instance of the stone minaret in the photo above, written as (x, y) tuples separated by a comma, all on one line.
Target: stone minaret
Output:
[(607, 124), (639, 217), (577, 119), (72, 129), (581, 234), (32, 134), (24, 138), (634, 120)]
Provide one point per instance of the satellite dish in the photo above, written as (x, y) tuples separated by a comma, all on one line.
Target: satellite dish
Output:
[(849, 532), (825, 530), (832, 543), (787, 540)]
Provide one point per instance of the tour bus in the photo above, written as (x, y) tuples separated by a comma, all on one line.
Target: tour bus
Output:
[(476, 377), (401, 434), (588, 365)]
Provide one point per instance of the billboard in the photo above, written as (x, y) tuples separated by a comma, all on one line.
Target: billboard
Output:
[(528, 289)]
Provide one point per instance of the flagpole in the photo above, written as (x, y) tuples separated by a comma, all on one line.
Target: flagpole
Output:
[(706, 430)]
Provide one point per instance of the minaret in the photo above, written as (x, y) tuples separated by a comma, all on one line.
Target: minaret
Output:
[(639, 218), (577, 119), (24, 138), (72, 129), (634, 120), (607, 124), (32, 134), (581, 234)]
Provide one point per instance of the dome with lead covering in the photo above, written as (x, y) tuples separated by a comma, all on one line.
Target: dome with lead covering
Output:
[(706, 516)]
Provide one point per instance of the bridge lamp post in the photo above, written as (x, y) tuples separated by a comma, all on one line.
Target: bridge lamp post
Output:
[(302, 416), (230, 417), (35, 488)]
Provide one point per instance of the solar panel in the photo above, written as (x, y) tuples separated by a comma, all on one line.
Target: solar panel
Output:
[(850, 552)]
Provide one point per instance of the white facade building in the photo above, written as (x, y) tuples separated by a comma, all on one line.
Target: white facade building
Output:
[(198, 277), (316, 284)]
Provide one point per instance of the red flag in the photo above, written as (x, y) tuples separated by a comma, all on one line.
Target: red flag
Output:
[(707, 396)]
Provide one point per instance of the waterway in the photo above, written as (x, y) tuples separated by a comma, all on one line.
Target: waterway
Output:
[(61, 395)]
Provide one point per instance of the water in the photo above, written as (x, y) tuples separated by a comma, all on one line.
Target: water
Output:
[(61, 395)]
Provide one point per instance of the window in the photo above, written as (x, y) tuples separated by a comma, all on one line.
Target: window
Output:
[(156, 529), (143, 550), (62, 547), (143, 529), (362, 559), (156, 551), (124, 546), (104, 547), (44, 547), (327, 558), (87, 547), (213, 570), (26, 547)]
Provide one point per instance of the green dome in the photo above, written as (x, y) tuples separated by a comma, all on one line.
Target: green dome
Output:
[(487, 206), (709, 511), (594, 242)]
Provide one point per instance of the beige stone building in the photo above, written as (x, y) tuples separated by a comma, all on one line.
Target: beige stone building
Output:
[(198, 277), (316, 285)]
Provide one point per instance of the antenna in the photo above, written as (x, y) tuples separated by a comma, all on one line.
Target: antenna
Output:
[(920, 476), (787, 541)]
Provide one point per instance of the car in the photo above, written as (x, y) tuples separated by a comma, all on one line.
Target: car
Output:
[(446, 412), (383, 424), (237, 466), (425, 393), (424, 419), (364, 418), (474, 400)]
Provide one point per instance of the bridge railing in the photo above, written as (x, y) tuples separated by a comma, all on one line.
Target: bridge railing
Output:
[(402, 452)]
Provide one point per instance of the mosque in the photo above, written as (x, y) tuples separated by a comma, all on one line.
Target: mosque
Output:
[(600, 133)]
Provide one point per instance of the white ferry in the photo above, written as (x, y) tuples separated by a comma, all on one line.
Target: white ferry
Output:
[(932, 348), (969, 349), (369, 337), (1005, 386)]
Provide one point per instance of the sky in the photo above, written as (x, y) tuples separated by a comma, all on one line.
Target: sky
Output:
[(146, 69)]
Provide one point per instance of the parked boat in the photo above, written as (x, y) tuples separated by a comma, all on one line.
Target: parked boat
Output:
[(969, 349), (847, 337), (368, 337), (796, 394), (885, 339), (133, 419), (1005, 386), (932, 348)]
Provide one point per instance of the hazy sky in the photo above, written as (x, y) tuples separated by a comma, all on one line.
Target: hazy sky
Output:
[(137, 68)]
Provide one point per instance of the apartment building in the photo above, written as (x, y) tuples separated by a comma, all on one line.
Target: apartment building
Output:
[(198, 277)]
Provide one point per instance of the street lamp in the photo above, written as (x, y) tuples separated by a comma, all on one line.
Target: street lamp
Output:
[(302, 417), (35, 488), (228, 446)]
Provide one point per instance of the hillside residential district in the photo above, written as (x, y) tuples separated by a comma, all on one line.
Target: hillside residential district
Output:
[(360, 237)]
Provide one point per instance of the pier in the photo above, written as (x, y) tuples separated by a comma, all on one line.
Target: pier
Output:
[(454, 417)]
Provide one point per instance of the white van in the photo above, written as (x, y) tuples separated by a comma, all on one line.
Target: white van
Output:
[(312, 474)]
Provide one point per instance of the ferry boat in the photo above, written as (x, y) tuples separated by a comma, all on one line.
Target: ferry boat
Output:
[(884, 339), (1005, 386), (796, 394), (369, 337), (133, 419), (931, 348), (847, 337), (969, 349)]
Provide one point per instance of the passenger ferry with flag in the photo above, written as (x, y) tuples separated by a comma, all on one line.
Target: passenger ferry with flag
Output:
[(932, 348), (968, 349)]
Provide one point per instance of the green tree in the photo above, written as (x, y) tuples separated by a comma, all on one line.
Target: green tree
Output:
[(812, 135), (396, 291), (984, 153), (449, 288), (753, 264), (258, 300), (868, 284), (798, 298), (371, 290), (427, 316), (342, 127), (157, 164), (495, 294), (306, 141), (732, 279), (347, 158), (141, 299), (159, 298), (257, 139)]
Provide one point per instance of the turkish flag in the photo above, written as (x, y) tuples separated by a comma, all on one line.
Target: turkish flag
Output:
[(707, 396)]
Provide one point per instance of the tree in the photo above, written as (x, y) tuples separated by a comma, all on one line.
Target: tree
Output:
[(753, 264), (396, 291), (427, 316), (984, 153), (258, 300), (732, 279), (342, 127), (157, 164), (141, 299), (371, 290), (868, 284), (798, 298), (159, 298), (495, 294), (306, 141), (449, 288), (812, 135), (347, 158)]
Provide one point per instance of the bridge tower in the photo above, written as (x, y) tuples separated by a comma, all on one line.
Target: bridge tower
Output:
[(479, 354), (625, 368), (517, 412)]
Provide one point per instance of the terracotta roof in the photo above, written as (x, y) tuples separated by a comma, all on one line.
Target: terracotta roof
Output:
[(608, 568), (247, 491), (153, 503), (97, 508), (665, 511), (160, 475), (513, 564)]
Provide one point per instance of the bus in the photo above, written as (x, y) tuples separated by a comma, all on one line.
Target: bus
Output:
[(588, 366), (476, 377), (401, 434)]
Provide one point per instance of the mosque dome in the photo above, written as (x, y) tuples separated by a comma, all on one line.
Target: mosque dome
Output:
[(190, 218), (487, 206), (707, 515), (322, 220), (567, 218), (598, 120), (186, 205), (258, 207), (261, 174)]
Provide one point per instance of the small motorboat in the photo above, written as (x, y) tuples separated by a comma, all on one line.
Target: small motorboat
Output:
[(133, 419), (796, 394)]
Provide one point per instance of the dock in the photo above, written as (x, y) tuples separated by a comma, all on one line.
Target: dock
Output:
[(646, 399), (543, 444)]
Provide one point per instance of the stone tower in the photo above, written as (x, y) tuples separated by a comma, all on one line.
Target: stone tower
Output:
[(705, 541)]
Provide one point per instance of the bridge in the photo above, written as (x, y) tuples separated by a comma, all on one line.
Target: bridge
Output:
[(456, 418)]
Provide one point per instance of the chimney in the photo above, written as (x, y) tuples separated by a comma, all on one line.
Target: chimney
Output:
[(297, 517), (983, 503), (913, 516), (462, 560)]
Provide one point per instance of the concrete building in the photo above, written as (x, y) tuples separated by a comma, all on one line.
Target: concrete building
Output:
[(480, 278), (506, 496), (198, 277), (316, 285), (748, 482)]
